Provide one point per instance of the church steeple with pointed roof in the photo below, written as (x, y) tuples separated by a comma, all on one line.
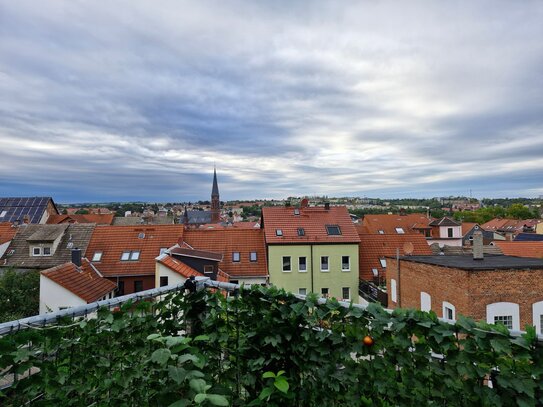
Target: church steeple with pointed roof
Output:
[(215, 200)]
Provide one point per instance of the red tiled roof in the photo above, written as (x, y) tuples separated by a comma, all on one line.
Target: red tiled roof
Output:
[(178, 266), (312, 219), (201, 254), (467, 226), (85, 282), (389, 223), (509, 225), (521, 249), (100, 219), (236, 225), (374, 247), (7, 231), (112, 241), (228, 241)]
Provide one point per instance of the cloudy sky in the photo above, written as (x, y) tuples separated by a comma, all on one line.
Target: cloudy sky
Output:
[(136, 100)]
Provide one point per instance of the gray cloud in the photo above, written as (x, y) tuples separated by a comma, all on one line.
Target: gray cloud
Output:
[(138, 100)]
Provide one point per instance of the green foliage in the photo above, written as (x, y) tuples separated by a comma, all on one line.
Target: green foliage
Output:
[(82, 212), (19, 294), (264, 347), (483, 215)]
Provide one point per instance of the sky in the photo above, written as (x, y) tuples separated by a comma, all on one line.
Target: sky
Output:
[(138, 100)]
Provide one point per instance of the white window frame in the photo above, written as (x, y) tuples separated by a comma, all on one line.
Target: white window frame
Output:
[(400, 231), (236, 257), (97, 256), (383, 263), (537, 314), (253, 257), (327, 264), (503, 309), (36, 253), (348, 297), (135, 255), (425, 301), (348, 263), (283, 264), (447, 305), (50, 251), (300, 270), (208, 269), (393, 290), (125, 256)]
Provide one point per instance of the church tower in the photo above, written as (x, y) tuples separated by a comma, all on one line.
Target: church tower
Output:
[(215, 200)]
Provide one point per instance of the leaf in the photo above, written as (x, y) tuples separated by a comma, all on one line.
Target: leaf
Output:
[(199, 398), (218, 400), (198, 385), (180, 403), (265, 393), (201, 338), (161, 356), (281, 384), (153, 337), (268, 375), (177, 374), (188, 356)]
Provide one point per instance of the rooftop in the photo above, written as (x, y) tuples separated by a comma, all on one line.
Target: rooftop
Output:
[(100, 219), (466, 262), (7, 231), (14, 209), (521, 249), (387, 224)]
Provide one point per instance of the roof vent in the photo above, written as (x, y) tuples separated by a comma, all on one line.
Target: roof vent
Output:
[(327, 206), (141, 235)]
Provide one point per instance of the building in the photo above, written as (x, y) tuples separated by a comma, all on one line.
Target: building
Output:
[(243, 251), (196, 217), (492, 288), (7, 232), (39, 247), (445, 231), (512, 227), (73, 284), (469, 228), (35, 210), (126, 254), (396, 224), (522, 248), (312, 249), (99, 219)]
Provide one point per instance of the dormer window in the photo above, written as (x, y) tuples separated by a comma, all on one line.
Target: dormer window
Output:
[(278, 232), (400, 231), (36, 251), (47, 251), (333, 230), (301, 232), (97, 256)]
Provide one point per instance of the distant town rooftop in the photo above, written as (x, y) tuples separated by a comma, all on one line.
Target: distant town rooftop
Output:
[(490, 262)]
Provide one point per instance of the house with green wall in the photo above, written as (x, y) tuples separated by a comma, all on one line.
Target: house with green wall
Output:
[(312, 249)]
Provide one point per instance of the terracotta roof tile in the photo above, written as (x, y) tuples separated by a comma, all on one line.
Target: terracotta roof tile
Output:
[(85, 282), (374, 247), (521, 249), (100, 219), (228, 241), (313, 221), (178, 266), (389, 223), (7, 232), (467, 226), (112, 241)]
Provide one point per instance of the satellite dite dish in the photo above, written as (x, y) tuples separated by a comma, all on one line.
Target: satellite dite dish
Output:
[(408, 248)]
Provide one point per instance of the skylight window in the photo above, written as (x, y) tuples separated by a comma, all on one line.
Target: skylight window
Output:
[(383, 263), (296, 211), (252, 256), (301, 232), (235, 257), (400, 231), (278, 232), (381, 231), (3, 214), (141, 235), (125, 256), (333, 230), (135, 255), (97, 256)]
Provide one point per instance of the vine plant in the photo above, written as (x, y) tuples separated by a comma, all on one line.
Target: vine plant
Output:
[(265, 347)]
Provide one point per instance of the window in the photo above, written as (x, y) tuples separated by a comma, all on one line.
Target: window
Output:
[(345, 263), (383, 263), (208, 269), (296, 211), (449, 311), (393, 293), (302, 291), (135, 255), (302, 264), (4, 213), (97, 256), (324, 263), (163, 250), (301, 232), (381, 231), (125, 256), (36, 251), (129, 255), (450, 232), (400, 231), (120, 288), (252, 256), (375, 272), (333, 230), (278, 232), (425, 301), (286, 263), (537, 313), (138, 286), (47, 251), (346, 293), (507, 320), (163, 281), (235, 257), (324, 292), (541, 324)]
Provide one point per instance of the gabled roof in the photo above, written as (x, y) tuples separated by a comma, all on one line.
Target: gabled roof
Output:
[(100, 219), (229, 241), (388, 223), (7, 231), (467, 226), (374, 247), (445, 221), (521, 249), (85, 281), (16, 208), (178, 266), (73, 236), (313, 221), (47, 233), (510, 225), (112, 241)]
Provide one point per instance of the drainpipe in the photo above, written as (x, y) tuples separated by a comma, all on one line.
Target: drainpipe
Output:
[(312, 287), (399, 281)]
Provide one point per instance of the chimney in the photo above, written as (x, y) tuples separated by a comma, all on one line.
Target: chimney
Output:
[(26, 219), (478, 245), (327, 206), (403, 212), (76, 257)]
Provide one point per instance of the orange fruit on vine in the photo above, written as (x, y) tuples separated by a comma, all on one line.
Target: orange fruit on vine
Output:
[(368, 340)]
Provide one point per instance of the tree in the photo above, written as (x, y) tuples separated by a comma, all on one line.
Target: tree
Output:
[(519, 211), (19, 294), (82, 212)]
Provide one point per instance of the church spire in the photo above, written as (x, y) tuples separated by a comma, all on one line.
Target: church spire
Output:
[(215, 200), (215, 189)]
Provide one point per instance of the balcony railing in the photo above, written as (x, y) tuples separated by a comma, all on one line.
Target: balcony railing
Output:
[(194, 345), (372, 292)]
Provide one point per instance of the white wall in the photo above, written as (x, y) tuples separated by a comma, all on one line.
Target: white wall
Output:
[(251, 280), (448, 242), (54, 296), (4, 247), (393, 293), (425, 301), (537, 311), (503, 308), (444, 231), (173, 277)]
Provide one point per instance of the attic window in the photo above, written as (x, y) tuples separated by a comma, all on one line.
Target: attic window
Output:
[(381, 231), (301, 232), (4, 213), (383, 263), (278, 232), (125, 256), (135, 255), (235, 257), (333, 230), (141, 235), (97, 256), (400, 231), (296, 211), (252, 256), (47, 251), (36, 251)]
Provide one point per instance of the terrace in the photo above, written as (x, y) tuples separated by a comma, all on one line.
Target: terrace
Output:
[(192, 345)]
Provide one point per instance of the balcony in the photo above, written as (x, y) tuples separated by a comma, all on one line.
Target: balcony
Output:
[(195, 345)]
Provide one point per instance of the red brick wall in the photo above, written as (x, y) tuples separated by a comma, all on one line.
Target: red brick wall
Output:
[(469, 291), (148, 282)]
